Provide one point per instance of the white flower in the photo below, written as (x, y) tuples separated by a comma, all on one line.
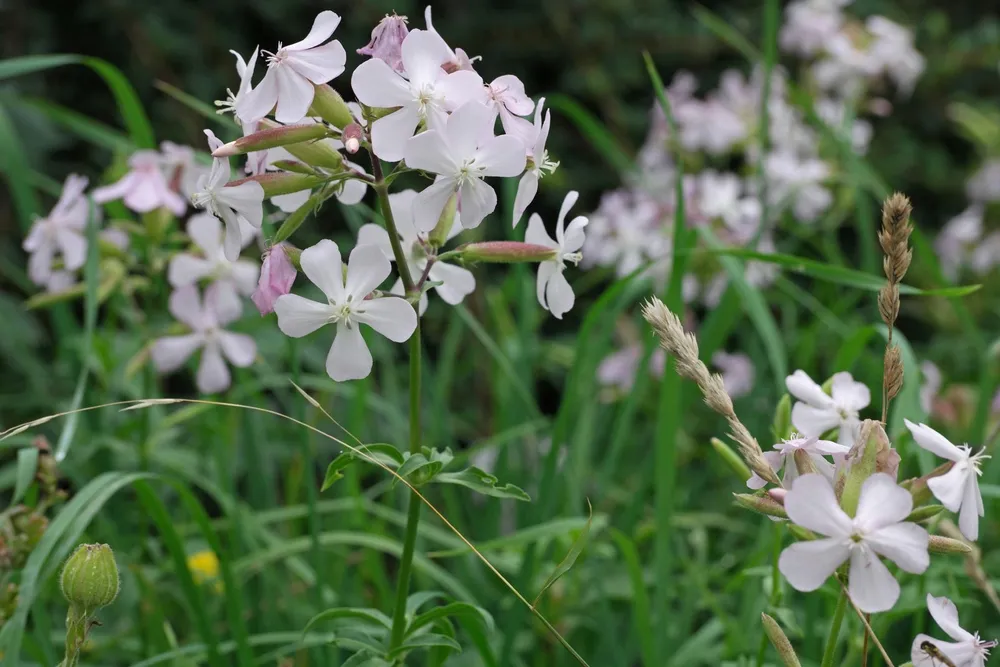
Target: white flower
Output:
[(456, 282), (60, 232), (809, 24), (347, 306), (877, 529), (292, 72), (957, 489), (968, 650), (245, 71), (457, 58), (554, 291), (181, 166), (463, 151), (538, 166), (427, 94), (243, 202), (892, 48), (819, 412), (815, 448), (217, 345), (144, 188), (507, 97), (239, 277)]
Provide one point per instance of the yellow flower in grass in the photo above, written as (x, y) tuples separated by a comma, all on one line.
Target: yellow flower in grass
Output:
[(204, 567)]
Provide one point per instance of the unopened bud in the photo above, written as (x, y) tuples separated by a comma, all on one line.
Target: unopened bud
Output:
[(387, 42), (330, 106), (800, 533), (271, 137), (294, 166), (862, 462), (925, 513), (778, 494), (760, 504), (782, 424), (313, 153), (277, 273), (946, 545), (779, 641), (439, 235), (506, 252), (281, 182), (732, 459), (90, 577), (352, 137)]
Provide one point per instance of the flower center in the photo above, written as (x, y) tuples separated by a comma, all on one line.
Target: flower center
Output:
[(976, 460), (468, 172), (275, 59), (203, 199), (573, 257), (546, 165), (425, 96), (227, 105)]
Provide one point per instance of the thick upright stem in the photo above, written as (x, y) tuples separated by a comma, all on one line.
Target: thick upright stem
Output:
[(831, 641), (382, 190)]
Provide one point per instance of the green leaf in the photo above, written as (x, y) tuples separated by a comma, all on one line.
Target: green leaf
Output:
[(425, 641), (574, 553), (364, 658), (381, 452), (423, 467), (482, 482), (838, 274), (14, 165), (27, 465), (367, 617), (455, 609), (416, 600)]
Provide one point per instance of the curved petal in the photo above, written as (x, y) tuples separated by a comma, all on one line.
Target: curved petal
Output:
[(871, 585), (206, 232), (322, 265), (222, 302), (456, 282), (802, 387), (292, 201), (372, 234), (812, 504), (391, 316), (501, 156), (185, 269), (545, 272), (536, 233), (945, 614), (559, 297), (391, 134), (905, 544), (430, 202), (213, 374), (432, 151), (298, 316), (375, 84), (73, 247), (933, 441), (519, 128), (232, 244), (321, 64), (423, 53), (882, 502), (962, 654), (116, 190), (848, 393), (469, 127), (349, 358), (322, 28), (459, 88), (40, 264), (245, 276), (258, 102), (185, 305), (575, 237), (972, 503), (295, 94), (806, 565), (367, 267), (949, 488), (240, 349), (170, 352), (527, 188), (478, 200), (828, 447), (351, 192), (812, 421)]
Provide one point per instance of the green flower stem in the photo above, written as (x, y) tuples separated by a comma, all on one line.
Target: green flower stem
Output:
[(382, 190), (77, 621), (831, 641)]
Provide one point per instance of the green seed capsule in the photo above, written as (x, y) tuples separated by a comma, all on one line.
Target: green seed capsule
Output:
[(90, 577)]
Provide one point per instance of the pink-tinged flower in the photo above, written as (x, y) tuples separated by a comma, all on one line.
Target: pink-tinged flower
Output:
[(463, 151), (277, 275), (737, 372), (818, 412), (347, 306), (427, 94), (387, 42), (553, 290), (619, 369), (457, 58), (217, 345), (456, 282), (235, 205), (238, 277), (968, 650), (878, 528), (144, 188), (61, 232), (292, 72), (784, 457), (539, 164), (182, 169), (507, 98), (957, 489)]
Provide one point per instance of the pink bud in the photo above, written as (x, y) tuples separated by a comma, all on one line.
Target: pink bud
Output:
[(778, 495), (352, 138), (276, 277), (387, 41)]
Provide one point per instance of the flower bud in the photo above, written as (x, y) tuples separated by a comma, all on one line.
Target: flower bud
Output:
[(281, 183), (439, 235), (271, 137), (313, 153), (870, 454), (277, 273), (925, 513), (760, 504), (387, 42), (780, 641), (946, 545), (800, 533), (505, 252), (352, 137), (331, 107), (90, 577), (782, 424)]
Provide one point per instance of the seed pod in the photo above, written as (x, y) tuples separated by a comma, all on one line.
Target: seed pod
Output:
[(90, 577)]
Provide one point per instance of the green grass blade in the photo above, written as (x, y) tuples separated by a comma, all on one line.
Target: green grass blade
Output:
[(14, 166), (27, 464), (83, 126)]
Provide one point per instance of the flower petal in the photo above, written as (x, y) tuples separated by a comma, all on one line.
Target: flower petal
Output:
[(457, 282), (322, 265), (527, 188), (432, 151), (848, 393), (322, 28), (959, 653), (372, 234), (806, 565), (802, 387), (295, 94), (244, 276), (949, 488), (185, 305), (501, 156), (367, 267), (391, 316), (233, 242), (882, 502), (391, 134), (812, 421), (812, 504), (349, 358), (258, 102), (240, 349), (298, 316), (430, 202), (545, 272), (185, 269), (945, 614), (470, 126), (73, 247), (536, 233), (321, 64), (559, 297), (206, 232), (423, 53), (934, 442), (461, 87), (478, 200), (905, 544), (170, 352), (972, 504), (375, 84), (213, 374), (871, 586)]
